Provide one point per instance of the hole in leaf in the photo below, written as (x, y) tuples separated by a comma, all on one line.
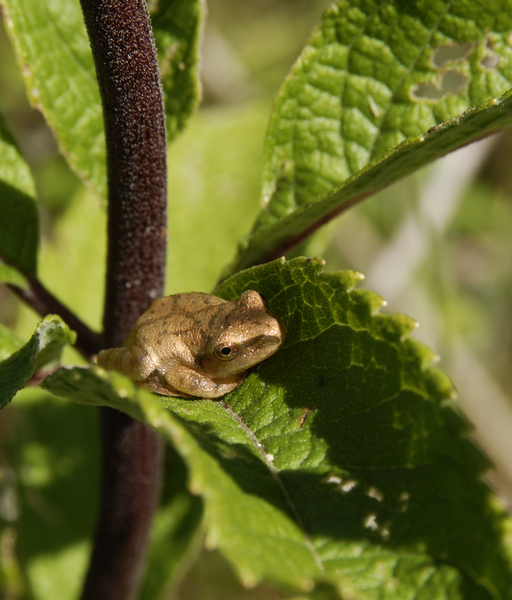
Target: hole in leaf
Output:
[(491, 59), (334, 479), (451, 82), (404, 500), (370, 522), (451, 53), (349, 485), (373, 492)]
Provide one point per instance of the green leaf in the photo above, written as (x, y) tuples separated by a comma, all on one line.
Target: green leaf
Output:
[(216, 191), (54, 56), (53, 52), (52, 451), (381, 89), (9, 342), (176, 540), (45, 346), (9, 274), (19, 222), (341, 461), (53, 334), (177, 29), (74, 259), (16, 370)]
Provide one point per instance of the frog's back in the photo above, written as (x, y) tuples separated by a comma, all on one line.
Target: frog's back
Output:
[(175, 315)]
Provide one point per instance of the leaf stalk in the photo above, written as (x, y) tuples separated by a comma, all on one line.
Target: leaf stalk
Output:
[(45, 303)]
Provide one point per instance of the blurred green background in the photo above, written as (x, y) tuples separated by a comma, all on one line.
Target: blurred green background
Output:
[(436, 245)]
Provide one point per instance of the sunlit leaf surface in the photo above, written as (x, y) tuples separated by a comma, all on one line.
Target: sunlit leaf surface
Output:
[(341, 461), (381, 89)]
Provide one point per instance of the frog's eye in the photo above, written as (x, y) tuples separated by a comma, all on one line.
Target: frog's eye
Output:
[(226, 351)]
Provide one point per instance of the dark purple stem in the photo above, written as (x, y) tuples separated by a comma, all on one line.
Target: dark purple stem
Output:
[(127, 70), (132, 457), (45, 303)]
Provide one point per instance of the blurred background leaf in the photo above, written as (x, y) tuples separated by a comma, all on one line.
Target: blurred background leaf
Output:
[(49, 472), (9, 342), (19, 222), (214, 179), (177, 26), (54, 56), (53, 52)]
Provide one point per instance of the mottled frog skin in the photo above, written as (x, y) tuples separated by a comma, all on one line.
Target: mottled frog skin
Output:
[(197, 344)]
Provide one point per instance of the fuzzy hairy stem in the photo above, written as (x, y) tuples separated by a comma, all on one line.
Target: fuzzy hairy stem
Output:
[(127, 70)]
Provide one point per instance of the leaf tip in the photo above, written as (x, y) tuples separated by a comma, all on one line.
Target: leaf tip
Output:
[(210, 542), (453, 394)]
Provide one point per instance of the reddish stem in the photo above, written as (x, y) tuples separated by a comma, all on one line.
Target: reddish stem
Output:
[(132, 456), (45, 303), (127, 71)]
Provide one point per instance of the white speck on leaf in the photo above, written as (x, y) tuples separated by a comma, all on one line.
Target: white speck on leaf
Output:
[(349, 485), (334, 479), (373, 492), (371, 522)]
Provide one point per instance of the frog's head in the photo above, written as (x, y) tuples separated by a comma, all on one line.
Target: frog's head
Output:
[(246, 333)]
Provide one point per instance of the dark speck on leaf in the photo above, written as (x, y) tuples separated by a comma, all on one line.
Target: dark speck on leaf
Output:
[(304, 416), (320, 381)]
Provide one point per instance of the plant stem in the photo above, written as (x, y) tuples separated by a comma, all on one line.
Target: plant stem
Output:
[(132, 457), (127, 70), (45, 303)]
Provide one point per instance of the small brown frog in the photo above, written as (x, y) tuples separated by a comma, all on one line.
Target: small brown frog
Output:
[(196, 344)]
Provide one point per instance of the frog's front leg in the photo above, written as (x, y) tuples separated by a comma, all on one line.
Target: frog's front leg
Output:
[(192, 383), (134, 363)]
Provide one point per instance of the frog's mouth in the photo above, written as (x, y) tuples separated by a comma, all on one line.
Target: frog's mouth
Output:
[(259, 342)]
